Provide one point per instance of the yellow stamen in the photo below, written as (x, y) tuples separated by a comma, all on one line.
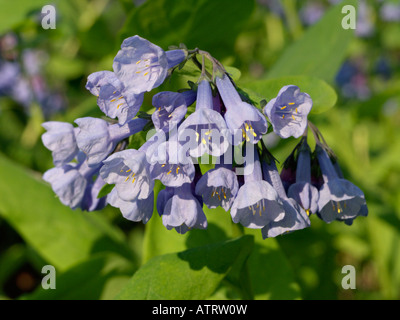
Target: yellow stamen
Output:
[(138, 62), (208, 132), (119, 105), (283, 116), (308, 212), (204, 141), (293, 117), (169, 171), (197, 136), (127, 178), (284, 107), (291, 103), (133, 180), (297, 111), (145, 74), (163, 165), (129, 170), (113, 100), (177, 169)]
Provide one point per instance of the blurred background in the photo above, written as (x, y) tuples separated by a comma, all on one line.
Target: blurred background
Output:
[(43, 74)]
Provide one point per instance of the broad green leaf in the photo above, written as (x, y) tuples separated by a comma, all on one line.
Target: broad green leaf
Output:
[(323, 95), (191, 274), (100, 277), (62, 236), (320, 51), (158, 240), (269, 270), (206, 24)]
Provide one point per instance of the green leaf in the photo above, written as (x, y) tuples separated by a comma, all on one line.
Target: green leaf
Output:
[(206, 24), (323, 95), (191, 274), (100, 277), (320, 51), (269, 271), (62, 236)]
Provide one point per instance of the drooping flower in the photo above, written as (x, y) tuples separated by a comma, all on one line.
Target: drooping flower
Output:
[(257, 204), (71, 182), (183, 211), (171, 165), (135, 210), (205, 128), (97, 138), (162, 198), (240, 117), (302, 190), (60, 140), (295, 218), (339, 199), (218, 186), (288, 112), (113, 98), (129, 171), (142, 66), (171, 108)]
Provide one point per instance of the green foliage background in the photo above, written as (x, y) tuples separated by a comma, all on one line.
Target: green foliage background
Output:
[(99, 255)]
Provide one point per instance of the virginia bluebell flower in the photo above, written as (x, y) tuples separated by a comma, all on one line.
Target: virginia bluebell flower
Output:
[(97, 138), (129, 171), (162, 198), (70, 183), (171, 108), (218, 187), (113, 98), (142, 66), (257, 204), (183, 211), (303, 191), (171, 165), (205, 128), (60, 140), (136, 210), (288, 112), (339, 199), (295, 218), (240, 115)]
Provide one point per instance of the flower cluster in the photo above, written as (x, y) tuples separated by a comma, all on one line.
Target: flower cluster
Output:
[(97, 152)]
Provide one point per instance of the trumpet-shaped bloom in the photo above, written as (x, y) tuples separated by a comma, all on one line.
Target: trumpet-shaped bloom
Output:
[(129, 171), (113, 98), (295, 218), (171, 108), (288, 112), (171, 165), (60, 140), (218, 187), (97, 138), (142, 66), (257, 203), (205, 128), (302, 190), (134, 210), (70, 182), (241, 118), (339, 199), (183, 211)]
